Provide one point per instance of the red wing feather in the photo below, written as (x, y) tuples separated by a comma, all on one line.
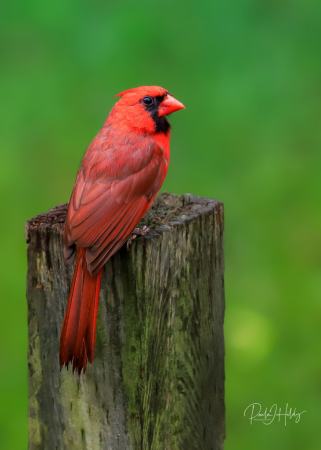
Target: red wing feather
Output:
[(103, 213)]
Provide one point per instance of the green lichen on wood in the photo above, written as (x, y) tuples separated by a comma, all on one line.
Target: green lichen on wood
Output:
[(157, 381)]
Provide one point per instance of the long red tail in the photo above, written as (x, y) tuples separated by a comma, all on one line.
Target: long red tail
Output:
[(78, 334)]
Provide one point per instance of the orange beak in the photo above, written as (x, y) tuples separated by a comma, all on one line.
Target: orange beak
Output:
[(169, 105)]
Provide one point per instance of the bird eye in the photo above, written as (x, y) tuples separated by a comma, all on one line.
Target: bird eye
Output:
[(148, 101)]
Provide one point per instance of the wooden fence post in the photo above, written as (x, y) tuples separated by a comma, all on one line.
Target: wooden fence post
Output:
[(157, 381)]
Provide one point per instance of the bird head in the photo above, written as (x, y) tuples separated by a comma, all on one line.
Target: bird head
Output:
[(144, 109)]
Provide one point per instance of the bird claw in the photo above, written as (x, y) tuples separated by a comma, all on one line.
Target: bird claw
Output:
[(137, 232)]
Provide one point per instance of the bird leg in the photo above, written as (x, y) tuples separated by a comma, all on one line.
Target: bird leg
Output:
[(137, 232)]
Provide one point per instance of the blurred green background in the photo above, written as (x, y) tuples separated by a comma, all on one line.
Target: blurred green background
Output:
[(249, 73)]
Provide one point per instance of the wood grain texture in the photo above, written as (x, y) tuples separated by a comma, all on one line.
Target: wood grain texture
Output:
[(157, 381)]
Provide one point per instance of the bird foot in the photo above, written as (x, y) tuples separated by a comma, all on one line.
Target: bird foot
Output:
[(137, 232)]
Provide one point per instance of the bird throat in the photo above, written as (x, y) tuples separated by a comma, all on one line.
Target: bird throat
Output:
[(161, 124)]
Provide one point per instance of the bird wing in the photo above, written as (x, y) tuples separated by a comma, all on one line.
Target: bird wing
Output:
[(104, 211)]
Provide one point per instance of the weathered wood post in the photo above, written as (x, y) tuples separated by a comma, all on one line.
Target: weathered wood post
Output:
[(157, 382)]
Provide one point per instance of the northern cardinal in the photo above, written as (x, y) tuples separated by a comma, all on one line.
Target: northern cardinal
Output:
[(121, 173)]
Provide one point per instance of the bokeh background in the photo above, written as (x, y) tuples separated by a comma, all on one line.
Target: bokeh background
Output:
[(249, 73)]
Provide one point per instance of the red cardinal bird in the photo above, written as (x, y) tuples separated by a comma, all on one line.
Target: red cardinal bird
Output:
[(121, 173)]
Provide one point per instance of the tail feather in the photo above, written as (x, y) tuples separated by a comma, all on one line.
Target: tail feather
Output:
[(78, 335)]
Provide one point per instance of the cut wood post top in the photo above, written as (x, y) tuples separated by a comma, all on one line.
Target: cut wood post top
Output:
[(168, 210)]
